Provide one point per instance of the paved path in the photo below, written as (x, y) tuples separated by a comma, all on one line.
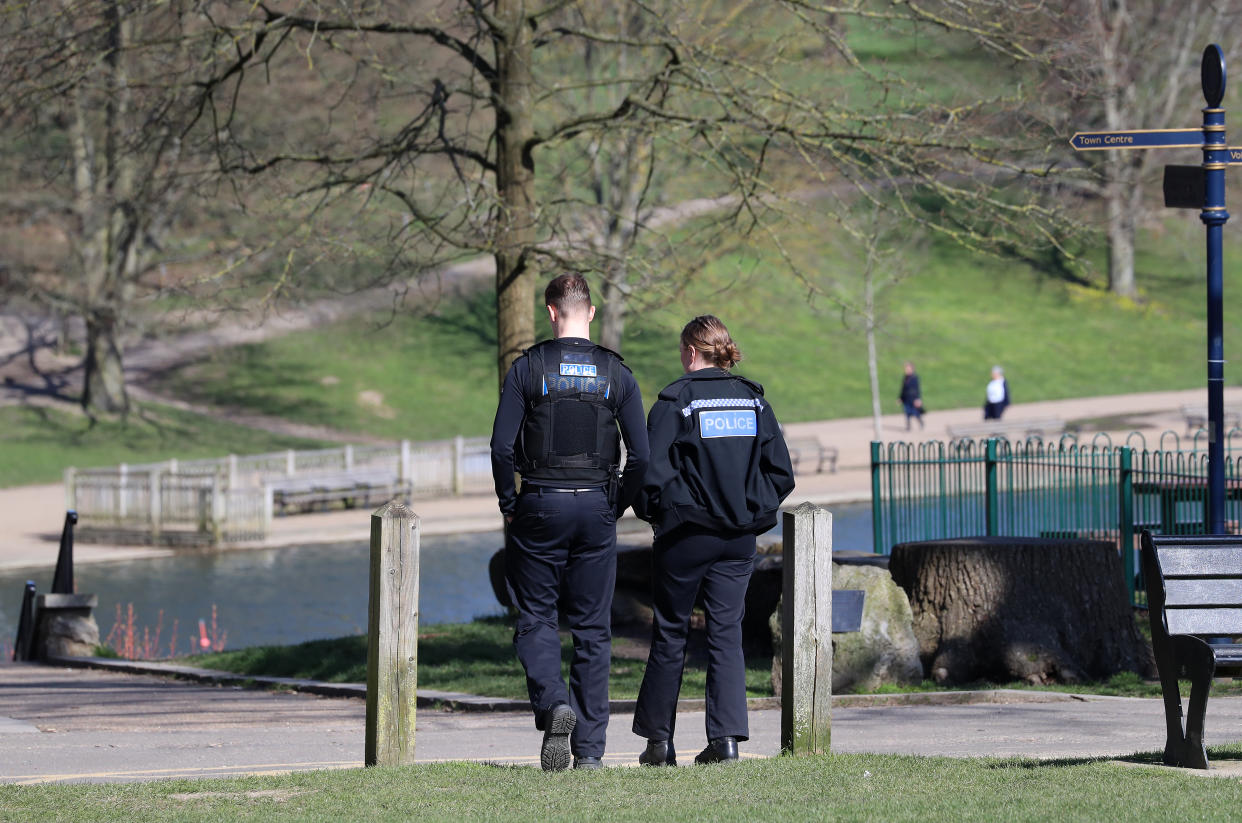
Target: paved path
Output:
[(81, 725), (32, 515)]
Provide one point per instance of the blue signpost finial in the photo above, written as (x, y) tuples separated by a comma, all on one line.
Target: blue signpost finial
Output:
[(1212, 75)]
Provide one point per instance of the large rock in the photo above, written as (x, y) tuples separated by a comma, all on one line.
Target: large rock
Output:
[(66, 625), (884, 651)]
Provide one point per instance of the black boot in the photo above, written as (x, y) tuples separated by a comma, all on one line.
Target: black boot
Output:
[(718, 751), (658, 753), (558, 726)]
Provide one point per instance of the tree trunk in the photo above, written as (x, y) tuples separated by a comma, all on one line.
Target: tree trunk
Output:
[(104, 380), (1019, 608), (1122, 228), (1121, 173), (611, 313), (515, 186), (873, 372), (104, 184)]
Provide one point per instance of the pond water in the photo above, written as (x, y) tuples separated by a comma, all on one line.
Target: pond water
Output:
[(288, 595)]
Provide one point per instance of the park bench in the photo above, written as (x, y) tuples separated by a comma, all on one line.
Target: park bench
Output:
[(1194, 592), (1197, 418), (813, 452), (1005, 428), (351, 489)]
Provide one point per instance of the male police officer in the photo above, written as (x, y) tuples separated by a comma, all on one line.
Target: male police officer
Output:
[(560, 404)]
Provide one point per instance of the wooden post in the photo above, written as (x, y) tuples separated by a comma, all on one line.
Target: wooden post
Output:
[(122, 503), (806, 631), (392, 637), (269, 505), (459, 468), (71, 489), (219, 508), (155, 480)]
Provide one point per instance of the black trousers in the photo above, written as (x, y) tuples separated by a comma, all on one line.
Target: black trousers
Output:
[(684, 561), (563, 549)]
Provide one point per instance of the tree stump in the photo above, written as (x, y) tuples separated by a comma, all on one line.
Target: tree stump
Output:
[(1020, 608)]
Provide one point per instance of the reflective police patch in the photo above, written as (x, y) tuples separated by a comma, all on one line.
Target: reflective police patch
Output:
[(578, 369), (728, 423)]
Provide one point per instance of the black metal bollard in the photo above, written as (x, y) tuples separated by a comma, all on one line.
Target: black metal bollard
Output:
[(62, 580), (25, 625)]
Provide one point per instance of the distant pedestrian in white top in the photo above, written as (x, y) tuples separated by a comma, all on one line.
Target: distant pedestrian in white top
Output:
[(997, 395)]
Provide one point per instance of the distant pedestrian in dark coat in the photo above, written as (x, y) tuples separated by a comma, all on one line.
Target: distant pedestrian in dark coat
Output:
[(997, 395), (911, 396)]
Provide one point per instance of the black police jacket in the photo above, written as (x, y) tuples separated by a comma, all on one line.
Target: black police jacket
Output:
[(718, 458)]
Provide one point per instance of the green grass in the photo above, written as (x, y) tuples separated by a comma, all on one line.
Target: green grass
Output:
[(38, 443), (955, 316), (836, 787), (476, 658), (423, 376)]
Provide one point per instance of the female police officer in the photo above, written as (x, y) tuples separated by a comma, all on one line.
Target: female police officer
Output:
[(719, 470)]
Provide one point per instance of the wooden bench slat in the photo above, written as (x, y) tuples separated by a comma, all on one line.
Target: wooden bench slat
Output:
[(1203, 592), (1199, 561), (1204, 621)]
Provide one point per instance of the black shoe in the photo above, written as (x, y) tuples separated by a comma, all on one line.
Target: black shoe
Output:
[(658, 753), (587, 763), (718, 751), (558, 726)]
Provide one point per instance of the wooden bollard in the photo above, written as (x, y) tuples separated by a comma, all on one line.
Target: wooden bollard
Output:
[(392, 637), (806, 631)]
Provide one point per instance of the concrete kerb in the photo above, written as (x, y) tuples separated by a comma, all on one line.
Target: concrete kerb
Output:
[(462, 702)]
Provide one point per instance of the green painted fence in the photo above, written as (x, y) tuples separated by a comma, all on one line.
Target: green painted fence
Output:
[(1032, 488)]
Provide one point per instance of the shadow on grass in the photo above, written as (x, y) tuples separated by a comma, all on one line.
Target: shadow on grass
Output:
[(1231, 753), (473, 315)]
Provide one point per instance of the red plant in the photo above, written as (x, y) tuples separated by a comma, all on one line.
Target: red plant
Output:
[(124, 636)]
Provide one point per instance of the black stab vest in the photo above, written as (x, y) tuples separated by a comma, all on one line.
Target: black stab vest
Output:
[(569, 434)]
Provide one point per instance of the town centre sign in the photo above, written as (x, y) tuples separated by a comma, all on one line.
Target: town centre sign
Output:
[(1200, 187)]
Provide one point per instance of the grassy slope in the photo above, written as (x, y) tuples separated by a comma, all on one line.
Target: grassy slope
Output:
[(836, 787), (955, 316), (38, 443)]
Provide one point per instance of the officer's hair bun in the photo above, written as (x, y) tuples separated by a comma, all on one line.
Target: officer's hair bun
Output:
[(725, 355), (707, 334)]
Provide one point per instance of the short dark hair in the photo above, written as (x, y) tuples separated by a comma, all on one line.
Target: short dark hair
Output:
[(568, 293)]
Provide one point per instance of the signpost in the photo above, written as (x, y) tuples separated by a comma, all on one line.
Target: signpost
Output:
[(1182, 187), (1137, 139)]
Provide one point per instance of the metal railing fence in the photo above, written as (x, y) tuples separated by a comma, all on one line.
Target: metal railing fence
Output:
[(934, 490), (230, 499)]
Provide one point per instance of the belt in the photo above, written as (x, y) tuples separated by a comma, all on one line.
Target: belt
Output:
[(542, 489)]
